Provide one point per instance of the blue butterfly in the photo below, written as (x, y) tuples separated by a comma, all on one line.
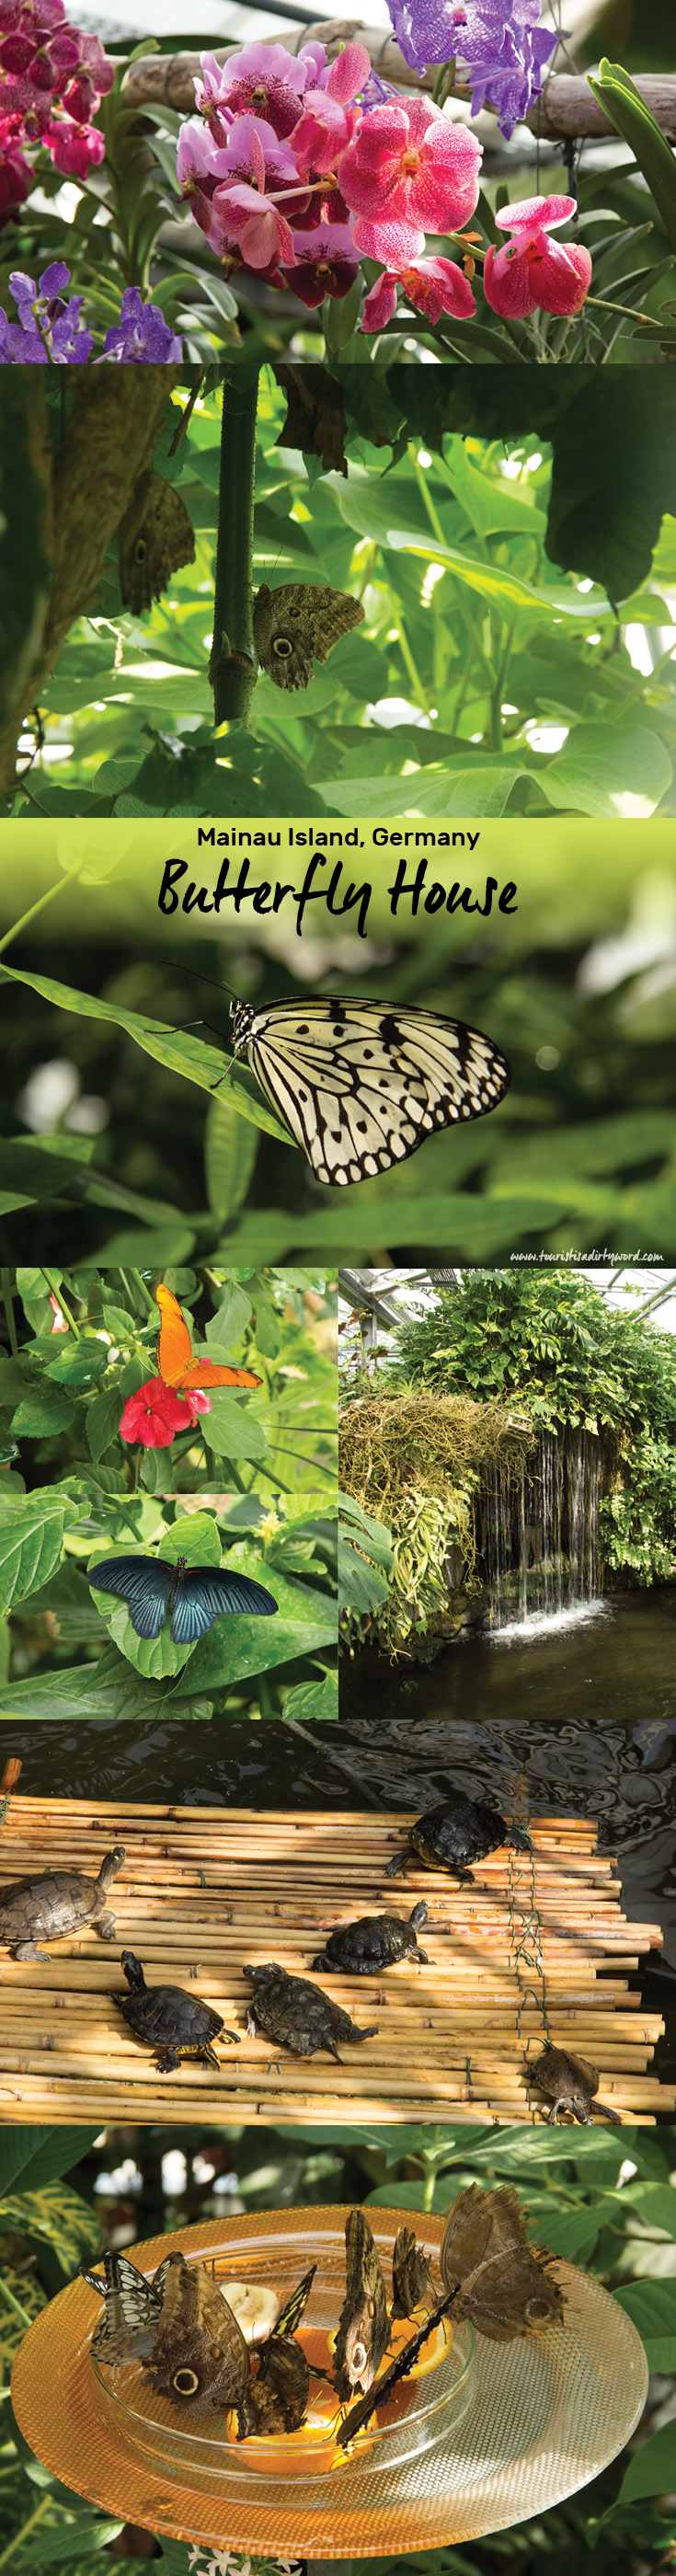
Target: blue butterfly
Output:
[(196, 1595)]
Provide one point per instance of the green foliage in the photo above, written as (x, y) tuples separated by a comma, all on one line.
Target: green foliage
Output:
[(468, 622), (365, 1561), (551, 1340)]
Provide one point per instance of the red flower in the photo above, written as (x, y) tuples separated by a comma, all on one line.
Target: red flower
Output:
[(154, 1414)]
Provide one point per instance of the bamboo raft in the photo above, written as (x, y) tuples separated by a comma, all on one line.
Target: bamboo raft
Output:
[(539, 1944)]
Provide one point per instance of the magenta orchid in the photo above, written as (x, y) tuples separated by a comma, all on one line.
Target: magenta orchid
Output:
[(297, 171), (432, 286), (530, 272), (52, 78)]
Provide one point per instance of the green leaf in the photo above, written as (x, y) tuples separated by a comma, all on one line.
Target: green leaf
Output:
[(312, 1700), (58, 2215), (652, 2469), (174, 1048), (31, 1544), (630, 114), (229, 1158), (34, 2157), (231, 1429), (104, 1416)]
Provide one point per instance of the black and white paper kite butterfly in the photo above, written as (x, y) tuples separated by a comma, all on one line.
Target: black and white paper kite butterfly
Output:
[(361, 1084)]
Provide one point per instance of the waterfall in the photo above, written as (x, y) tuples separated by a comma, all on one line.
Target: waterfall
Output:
[(540, 1532)]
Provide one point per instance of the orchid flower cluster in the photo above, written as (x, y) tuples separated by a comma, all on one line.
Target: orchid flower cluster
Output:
[(50, 330), (496, 45), (295, 172), (52, 78)]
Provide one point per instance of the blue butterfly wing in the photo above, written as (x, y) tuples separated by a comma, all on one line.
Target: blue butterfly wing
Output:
[(143, 1582), (206, 1593)]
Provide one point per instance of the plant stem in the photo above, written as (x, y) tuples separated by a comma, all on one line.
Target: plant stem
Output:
[(18, 926), (232, 668), (20, 2536), (11, 2302)]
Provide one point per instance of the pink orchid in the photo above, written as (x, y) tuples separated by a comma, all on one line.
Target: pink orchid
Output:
[(409, 161), (262, 80), (329, 114), (531, 272), (244, 215), (74, 148), (326, 263), (433, 286)]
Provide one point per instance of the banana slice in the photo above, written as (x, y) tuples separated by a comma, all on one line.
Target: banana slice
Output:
[(255, 2307)]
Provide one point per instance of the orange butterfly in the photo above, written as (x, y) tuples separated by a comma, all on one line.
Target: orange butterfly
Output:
[(174, 1353)]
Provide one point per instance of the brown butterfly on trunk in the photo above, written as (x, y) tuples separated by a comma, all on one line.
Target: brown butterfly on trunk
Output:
[(297, 624), (155, 537)]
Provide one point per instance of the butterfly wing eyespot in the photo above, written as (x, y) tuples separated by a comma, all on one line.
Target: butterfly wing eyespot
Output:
[(155, 538), (299, 623), (361, 1086)]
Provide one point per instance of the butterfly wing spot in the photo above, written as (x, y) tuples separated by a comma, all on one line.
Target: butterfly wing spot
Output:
[(298, 622)]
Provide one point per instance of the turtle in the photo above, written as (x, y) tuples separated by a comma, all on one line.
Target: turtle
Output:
[(59, 1902), (460, 1830), (570, 2084), (376, 1941), (172, 2022), (292, 2011)]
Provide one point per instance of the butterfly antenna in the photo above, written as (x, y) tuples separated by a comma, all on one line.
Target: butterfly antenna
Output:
[(198, 978)]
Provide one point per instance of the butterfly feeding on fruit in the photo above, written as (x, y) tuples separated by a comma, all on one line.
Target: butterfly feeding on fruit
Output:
[(361, 1084)]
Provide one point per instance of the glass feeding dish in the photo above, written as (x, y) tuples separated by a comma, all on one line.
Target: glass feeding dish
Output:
[(479, 2440), (417, 2416)]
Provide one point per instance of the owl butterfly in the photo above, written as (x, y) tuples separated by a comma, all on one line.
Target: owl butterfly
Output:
[(411, 2275), (299, 623), (201, 2358), (362, 2325), (490, 2274), (132, 2309), (501, 2282), (155, 537)]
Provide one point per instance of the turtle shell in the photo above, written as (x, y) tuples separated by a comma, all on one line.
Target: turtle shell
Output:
[(375, 1942), (57, 1902), (570, 2083), (176, 2024), (296, 2014), (457, 1832)]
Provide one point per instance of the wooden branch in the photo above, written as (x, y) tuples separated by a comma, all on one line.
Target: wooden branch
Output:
[(108, 441), (567, 106)]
